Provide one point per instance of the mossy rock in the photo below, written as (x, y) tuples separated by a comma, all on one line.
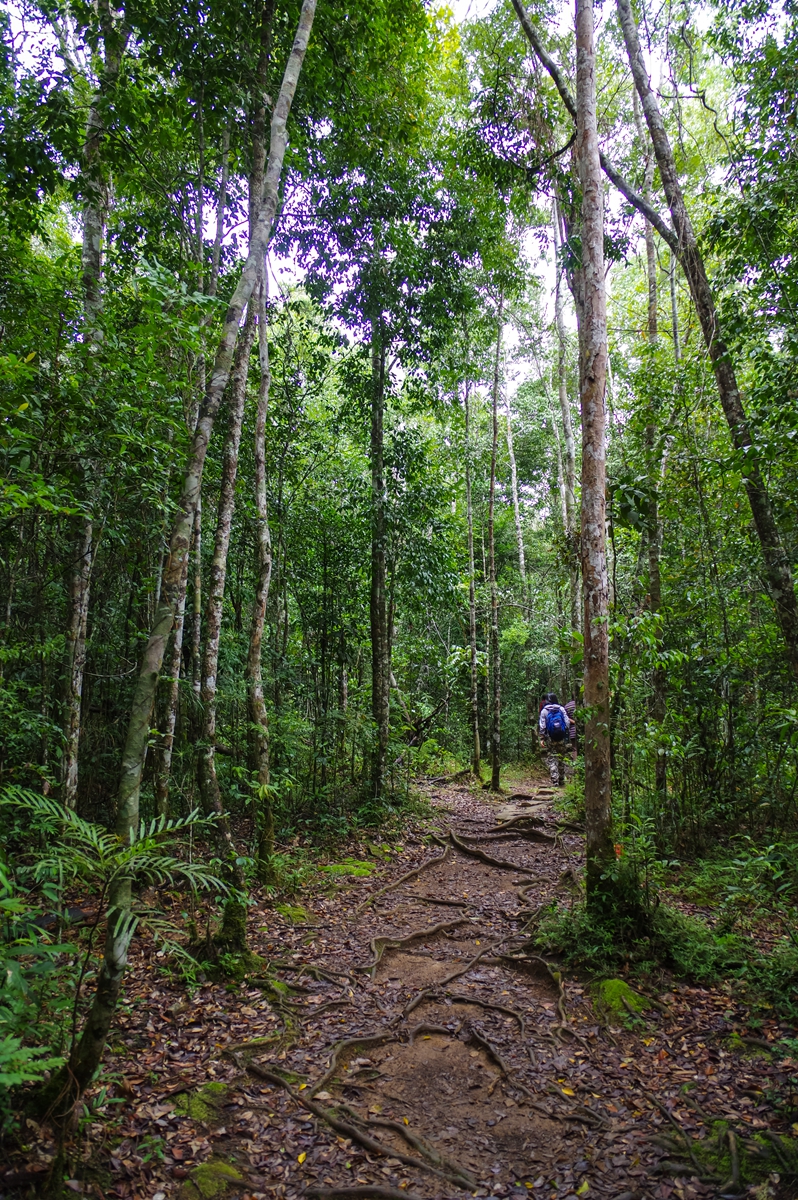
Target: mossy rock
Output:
[(210, 1180), (293, 912), (616, 998), (204, 1104), (350, 866)]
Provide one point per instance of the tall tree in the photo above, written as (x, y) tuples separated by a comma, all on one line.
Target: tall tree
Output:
[(476, 756), (495, 650), (778, 572), (593, 383)]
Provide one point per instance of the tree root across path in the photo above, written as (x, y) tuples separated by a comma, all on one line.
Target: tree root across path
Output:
[(475, 852), (382, 943), (347, 1129), (360, 1192)]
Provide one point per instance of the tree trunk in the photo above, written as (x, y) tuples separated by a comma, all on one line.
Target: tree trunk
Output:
[(569, 464), (476, 756), (164, 754), (258, 717), (496, 696), (206, 765), (519, 533), (778, 573), (378, 605), (87, 1054), (593, 373), (80, 579), (138, 729)]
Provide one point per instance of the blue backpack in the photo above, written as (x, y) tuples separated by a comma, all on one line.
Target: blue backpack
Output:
[(556, 724)]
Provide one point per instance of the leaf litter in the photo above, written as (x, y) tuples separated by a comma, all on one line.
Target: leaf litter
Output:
[(457, 1063)]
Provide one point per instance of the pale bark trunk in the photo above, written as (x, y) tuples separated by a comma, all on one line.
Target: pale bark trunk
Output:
[(206, 765), (496, 665), (80, 577), (674, 311), (519, 533), (152, 660), (258, 717), (472, 601), (196, 601), (166, 749), (568, 466), (378, 605), (593, 354), (778, 572)]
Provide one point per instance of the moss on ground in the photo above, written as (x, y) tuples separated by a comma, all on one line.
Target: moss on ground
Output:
[(616, 998), (350, 866), (210, 1180), (204, 1104), (293, 912)]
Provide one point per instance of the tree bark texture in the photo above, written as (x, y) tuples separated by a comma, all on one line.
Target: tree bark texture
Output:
[(569, 444), (152, 660), (476, 753), (778, 573), (79, 585), (378, 601), (496, 662), (163, 772), (258, 717), (593, 353)]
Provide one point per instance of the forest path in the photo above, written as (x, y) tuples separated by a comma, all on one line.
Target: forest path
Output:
[(406, 1040)]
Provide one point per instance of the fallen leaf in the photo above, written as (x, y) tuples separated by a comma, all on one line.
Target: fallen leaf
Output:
[(302, 1156)]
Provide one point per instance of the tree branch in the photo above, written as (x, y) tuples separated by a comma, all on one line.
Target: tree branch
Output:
[(637, 201)]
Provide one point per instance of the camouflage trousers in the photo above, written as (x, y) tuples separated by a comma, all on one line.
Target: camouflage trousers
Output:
[(556, 755)]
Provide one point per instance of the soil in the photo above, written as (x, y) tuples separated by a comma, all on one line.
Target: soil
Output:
[(455, 1063)]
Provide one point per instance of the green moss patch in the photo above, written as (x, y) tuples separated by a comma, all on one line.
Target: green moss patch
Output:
[(209, 1180), (204, 1104), (616, 998), (293, 912), (350, 866)]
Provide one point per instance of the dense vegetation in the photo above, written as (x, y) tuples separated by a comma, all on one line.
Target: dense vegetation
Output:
[(271, 575)]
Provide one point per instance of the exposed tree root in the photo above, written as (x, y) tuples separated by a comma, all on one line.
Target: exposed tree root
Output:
[(367, 1039), (431, 862), (501, 863), (521, 819), (414, 1003), (360, 1192), (419, 1143), (417, 1030), (499, 835), (683, 1138), (441, 900), (509, 1012), (347, 1129), (380, 944)]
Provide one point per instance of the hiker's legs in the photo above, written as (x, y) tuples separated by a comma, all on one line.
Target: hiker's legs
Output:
[(554, 761)]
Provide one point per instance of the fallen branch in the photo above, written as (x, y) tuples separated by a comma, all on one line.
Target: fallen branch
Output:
[(431, 862), (380, 944), (361, 1192), (501, 863)]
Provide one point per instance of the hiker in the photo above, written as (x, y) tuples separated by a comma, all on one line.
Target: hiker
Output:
[(555, 737)]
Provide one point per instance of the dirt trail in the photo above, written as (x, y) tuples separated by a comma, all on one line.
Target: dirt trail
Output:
[(456, 1063), (415, 1045)]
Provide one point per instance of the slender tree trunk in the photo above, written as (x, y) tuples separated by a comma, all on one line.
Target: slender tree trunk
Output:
[(659, 680), (206, 765), (258, 717), (593, 354), (778, 573), (164, 755), (378, 606), (80, 577), (476, 756), (519, 533), (196, 604), (87, 1054), (495, 749), (674, 310), (568, 469)]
